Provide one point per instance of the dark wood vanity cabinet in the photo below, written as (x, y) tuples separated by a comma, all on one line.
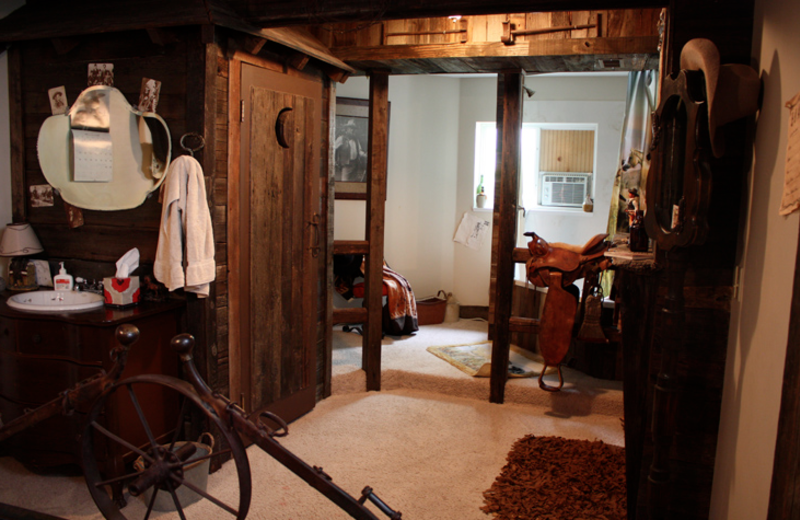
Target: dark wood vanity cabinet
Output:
[(41, 355)]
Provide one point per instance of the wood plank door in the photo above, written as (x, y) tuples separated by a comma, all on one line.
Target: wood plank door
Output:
[(279, 193)]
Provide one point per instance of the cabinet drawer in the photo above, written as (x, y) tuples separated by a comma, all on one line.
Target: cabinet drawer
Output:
[(36, 381), (8, 337), (47, 338)]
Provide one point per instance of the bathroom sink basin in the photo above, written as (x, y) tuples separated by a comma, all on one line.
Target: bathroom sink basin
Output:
[(55, 301)]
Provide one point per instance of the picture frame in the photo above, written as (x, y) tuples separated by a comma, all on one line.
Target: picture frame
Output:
[(350, 148)]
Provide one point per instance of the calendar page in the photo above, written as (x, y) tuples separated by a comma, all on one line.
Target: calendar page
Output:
[(93, 161)]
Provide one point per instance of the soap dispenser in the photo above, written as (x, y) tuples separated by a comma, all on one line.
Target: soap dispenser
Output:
[(62, 281)]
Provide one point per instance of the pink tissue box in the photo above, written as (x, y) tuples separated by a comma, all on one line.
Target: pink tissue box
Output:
[(121, 292)]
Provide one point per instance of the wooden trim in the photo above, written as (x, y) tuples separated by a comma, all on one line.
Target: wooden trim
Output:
[(330, 244), (350, 247), (376, 201), (509, 122), (234, 232), (16, 130), (244, 57), (353, 315)]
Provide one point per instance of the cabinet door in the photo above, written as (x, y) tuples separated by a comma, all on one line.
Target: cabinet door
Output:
[(279, 168)]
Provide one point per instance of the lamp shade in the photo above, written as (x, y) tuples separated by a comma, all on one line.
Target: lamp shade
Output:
[(19, 240)]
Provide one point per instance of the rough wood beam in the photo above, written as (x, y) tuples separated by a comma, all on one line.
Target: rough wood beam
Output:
[(354, 315), (278, 12), (64, 45), (376, 201), (16, 130), (252, 44), (509, 124), (298, 60), (563, 47), (350, 247), (161, 37)]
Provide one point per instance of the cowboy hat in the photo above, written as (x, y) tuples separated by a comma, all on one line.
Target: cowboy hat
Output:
[(732, 90)]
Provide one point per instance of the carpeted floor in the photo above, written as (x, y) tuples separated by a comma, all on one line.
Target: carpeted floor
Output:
[(429, 452), (405, 363)]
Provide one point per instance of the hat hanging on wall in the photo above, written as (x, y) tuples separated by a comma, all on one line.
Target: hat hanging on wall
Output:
[(732, 90)]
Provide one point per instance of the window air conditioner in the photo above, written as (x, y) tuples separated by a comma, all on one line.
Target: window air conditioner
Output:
[(564, 189)]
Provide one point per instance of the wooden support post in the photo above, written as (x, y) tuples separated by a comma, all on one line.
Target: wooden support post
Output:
[(666, 388), (509, 124), (376, 202)]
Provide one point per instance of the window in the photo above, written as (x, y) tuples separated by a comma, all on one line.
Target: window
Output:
[(557, 163)]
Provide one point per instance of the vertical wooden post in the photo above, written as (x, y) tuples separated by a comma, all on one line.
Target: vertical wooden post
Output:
[(16, 130), (509, 126), (673, 315), (376, 202)]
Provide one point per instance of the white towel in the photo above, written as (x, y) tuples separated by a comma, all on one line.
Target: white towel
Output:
[(185, 252)]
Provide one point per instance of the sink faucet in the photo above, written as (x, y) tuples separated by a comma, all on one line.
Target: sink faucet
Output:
[(82, 284)]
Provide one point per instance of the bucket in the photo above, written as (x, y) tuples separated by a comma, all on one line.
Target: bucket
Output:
[(195, 473)]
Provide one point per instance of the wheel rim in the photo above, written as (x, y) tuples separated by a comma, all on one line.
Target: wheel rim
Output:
[(161, 479)]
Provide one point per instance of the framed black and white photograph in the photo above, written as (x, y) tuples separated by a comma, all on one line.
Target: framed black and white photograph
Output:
[(351, 146)]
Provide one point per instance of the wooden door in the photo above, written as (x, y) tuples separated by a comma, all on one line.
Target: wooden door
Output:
[(279, 195)]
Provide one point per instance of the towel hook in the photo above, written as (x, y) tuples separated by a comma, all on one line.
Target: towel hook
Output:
[(200, 139)]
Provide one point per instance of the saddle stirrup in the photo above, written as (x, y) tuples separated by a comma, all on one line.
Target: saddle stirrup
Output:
[(545, 386)]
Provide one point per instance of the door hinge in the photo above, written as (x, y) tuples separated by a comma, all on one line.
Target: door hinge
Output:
[(241, 111)]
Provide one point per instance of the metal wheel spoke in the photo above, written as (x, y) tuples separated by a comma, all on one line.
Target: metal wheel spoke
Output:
[(196, 459), (117, 479), (177, 502), (151, 503), (205, 494), (142, 418), (122, 441), (181, 415)]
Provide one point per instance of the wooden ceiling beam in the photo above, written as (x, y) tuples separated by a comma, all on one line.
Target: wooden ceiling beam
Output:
[(564, 47), (270, 13)]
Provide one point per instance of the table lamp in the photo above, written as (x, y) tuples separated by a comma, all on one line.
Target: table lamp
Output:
[(19, 242)]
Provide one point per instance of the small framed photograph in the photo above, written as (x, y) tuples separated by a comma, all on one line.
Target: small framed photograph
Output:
[(149, 94), (58, 100), (41, 195), (351, 147), (101, 74)]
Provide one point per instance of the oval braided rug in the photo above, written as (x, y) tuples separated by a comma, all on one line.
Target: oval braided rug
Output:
[(552, 478)]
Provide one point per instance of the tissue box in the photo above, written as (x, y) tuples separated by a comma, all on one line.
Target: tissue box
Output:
[(121, 292)]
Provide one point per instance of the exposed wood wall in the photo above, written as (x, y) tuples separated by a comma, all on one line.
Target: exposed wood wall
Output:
[(489, 28)]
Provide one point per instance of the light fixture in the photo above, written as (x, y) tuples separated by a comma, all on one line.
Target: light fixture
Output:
[(454, 17), (19, 242)]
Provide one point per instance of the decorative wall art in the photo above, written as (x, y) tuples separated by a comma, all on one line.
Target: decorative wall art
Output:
[(351, 147)]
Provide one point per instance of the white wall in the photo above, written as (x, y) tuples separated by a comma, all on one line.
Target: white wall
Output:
[(430, 171), (760, 318), (421, 176), (6, 7), (557, 98)]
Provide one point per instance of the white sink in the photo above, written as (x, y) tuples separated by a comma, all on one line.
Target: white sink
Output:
[(55, 301)]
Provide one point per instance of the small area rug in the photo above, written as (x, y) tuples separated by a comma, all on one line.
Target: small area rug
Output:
[(552, 478), (475, 359)]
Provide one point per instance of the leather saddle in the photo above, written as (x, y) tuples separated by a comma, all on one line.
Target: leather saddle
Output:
[(556, 266)]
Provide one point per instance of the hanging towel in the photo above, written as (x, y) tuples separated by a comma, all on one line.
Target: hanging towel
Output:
[(185, 252)]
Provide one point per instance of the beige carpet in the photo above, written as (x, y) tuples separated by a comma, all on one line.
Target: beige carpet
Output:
[(406, 363), (429, 454)]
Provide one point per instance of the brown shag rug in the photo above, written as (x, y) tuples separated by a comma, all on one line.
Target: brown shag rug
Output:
[(552, 478)]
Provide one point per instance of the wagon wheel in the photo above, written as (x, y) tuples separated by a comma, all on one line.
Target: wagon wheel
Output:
[(160, 481)]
